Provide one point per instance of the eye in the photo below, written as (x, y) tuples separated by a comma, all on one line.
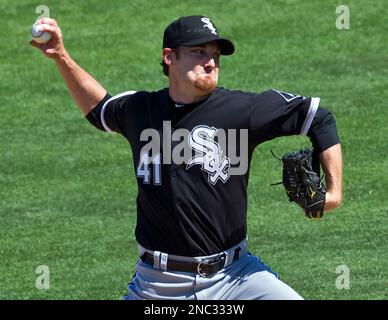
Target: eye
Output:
[(198, 51)]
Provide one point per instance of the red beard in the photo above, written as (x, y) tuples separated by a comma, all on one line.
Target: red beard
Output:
[(205, 83)]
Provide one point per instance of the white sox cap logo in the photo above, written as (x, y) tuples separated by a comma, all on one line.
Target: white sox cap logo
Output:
[(210, 158), (209, 24)]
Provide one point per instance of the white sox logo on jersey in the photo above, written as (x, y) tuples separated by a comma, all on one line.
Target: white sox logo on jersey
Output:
[(210, 154)]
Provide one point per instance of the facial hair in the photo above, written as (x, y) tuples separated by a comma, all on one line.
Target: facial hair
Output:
[(205, 82)]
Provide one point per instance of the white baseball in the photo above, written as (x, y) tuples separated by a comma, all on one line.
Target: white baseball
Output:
[(38, 35)]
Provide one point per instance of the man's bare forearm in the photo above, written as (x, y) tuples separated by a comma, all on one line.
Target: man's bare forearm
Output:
[(84, 89), (331, 160)]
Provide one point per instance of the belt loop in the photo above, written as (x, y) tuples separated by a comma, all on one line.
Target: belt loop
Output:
[(236, 254), (163, 261), (156, 259)]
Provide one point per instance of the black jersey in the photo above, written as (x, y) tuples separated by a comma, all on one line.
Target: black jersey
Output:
[(192, 161)]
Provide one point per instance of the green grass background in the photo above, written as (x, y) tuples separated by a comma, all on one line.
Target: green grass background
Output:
[(67, 190)]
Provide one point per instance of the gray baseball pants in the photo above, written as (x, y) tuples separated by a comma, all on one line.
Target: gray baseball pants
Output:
[(246, 278)]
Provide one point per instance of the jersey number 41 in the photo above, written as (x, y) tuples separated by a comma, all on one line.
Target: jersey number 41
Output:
[(143, 169)]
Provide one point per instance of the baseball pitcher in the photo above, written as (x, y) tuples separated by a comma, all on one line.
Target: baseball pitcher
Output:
[(192, 145)]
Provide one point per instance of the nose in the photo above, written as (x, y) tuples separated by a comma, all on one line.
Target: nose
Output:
[(210, 63)]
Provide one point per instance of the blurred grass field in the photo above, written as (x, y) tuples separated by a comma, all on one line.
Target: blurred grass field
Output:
[(67, 190)]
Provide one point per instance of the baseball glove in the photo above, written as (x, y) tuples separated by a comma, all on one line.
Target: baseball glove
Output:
[(302, 182)]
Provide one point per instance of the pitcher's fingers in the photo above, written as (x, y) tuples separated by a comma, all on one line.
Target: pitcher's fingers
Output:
[(49, 21), (35, 44), (42, 47), (55, 31), (46, 27), (38, 45), (49, 51)]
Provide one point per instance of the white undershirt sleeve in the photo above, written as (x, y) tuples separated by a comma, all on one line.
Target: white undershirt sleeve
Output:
[(310, 116), (106, 127)]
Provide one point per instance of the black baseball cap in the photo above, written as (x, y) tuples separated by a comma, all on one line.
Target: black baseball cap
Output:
[(194, 30)]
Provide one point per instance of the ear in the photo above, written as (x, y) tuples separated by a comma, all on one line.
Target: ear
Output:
[(167, 56)]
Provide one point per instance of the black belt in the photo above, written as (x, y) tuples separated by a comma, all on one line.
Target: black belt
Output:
[(204, 268)]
